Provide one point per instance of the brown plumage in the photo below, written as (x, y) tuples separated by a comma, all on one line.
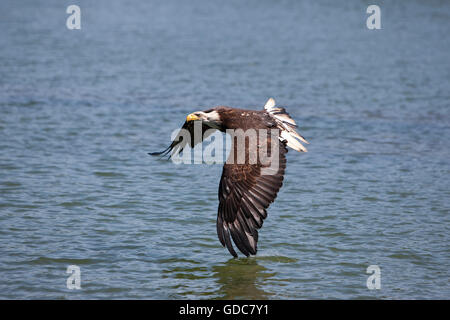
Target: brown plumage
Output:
[(247, 188)]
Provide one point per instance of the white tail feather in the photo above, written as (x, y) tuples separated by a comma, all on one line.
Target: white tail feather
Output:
[(292, 142), (286, 125), (269, 104)]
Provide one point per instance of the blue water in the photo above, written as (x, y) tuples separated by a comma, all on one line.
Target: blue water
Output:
[(80, 109)]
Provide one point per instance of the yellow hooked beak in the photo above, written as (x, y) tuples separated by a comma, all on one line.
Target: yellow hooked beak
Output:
[(192, 117)]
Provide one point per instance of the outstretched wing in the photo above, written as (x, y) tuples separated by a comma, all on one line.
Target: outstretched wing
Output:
[(245, 192), (182, 140)]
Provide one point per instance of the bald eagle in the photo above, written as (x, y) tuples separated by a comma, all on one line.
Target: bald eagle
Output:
[(246, 188)]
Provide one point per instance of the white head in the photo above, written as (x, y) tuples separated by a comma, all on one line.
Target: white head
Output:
[(209, 117)]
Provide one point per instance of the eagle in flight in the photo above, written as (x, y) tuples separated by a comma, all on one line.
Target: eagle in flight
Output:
[(249, 186)]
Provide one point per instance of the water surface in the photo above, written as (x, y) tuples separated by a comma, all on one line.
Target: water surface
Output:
[(80, 109)]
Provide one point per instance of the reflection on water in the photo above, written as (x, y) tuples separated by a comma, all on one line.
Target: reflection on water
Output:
[(242, 279)]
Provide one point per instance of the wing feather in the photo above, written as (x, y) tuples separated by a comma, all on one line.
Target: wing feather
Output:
[(178, 144), (244, 195)]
